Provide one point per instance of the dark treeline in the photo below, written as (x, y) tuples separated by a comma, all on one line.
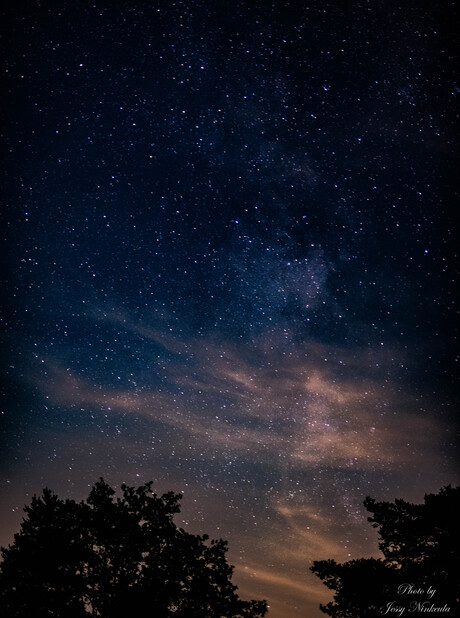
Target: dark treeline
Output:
[(419, 572), (114, 558)]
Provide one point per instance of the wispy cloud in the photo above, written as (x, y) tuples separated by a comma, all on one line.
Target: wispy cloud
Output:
[(317, 405), (319, 422)]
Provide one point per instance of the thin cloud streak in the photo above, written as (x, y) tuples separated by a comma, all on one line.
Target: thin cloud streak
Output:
[(303, 407)]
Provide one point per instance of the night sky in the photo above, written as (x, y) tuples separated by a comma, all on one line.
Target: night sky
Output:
[(228, 233)]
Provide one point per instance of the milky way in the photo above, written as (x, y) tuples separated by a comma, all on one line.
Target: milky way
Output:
[(230, 267)]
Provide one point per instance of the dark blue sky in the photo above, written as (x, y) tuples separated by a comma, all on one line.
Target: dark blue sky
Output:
[(229, 266)]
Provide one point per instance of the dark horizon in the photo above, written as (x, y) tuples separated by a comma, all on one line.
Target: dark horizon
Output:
[(230, 268)]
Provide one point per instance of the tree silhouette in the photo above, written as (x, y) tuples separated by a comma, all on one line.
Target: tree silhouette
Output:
[(114, 558), (419, 571)]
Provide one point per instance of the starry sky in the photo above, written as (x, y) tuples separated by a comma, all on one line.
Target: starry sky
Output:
[(229, 267)]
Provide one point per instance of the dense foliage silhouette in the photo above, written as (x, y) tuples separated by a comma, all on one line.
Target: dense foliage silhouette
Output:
[(114, 558), (419, 571)]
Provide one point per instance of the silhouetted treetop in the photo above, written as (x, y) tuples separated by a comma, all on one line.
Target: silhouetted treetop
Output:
[(427, 534), (419, 571), (116, 557)]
